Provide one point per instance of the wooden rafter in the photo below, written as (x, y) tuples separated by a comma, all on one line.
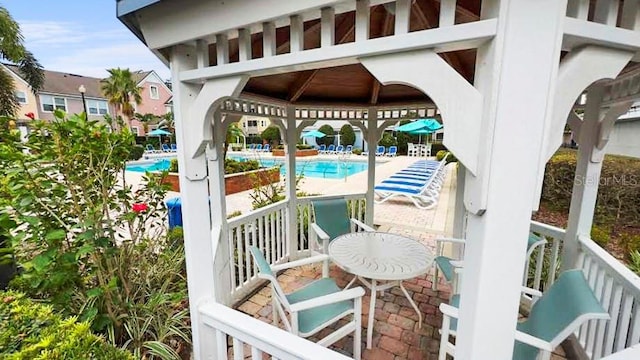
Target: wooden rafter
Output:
[(428, 19), (375, 91), (304, 79), (375, 84)]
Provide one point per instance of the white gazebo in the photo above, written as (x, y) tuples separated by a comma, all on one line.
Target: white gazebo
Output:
[(504, 75)]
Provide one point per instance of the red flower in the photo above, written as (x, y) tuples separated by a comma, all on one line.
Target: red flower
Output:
[(30, 115), (140, 207)]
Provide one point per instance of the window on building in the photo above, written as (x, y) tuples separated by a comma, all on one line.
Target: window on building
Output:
[(153, 92), (252, 122), (97, 107), (135, 130), (262, 123), (21, 96), (51, 103)]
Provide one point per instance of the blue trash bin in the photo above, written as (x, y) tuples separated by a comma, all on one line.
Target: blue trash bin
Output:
[(174, 207)]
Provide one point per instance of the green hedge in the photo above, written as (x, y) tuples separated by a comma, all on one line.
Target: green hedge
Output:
[(618, 193), (31, 330)]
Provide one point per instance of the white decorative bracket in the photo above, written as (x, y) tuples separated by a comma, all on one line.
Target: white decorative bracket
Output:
[(605, 126), (459, 102), (303, 124), (199, 138)]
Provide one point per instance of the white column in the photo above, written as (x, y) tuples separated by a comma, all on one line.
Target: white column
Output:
[(460, 212), (516, 71), (194, 194), (372, 142), (291, 138)]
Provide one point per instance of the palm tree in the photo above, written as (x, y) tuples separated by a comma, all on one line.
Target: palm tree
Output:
[(122, 90), (12, 49), (233, 132), (146, 120)]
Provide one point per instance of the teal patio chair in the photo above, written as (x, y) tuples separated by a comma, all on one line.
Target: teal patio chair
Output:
[(331, 220), (448, 266), (563, 308), (315, 306)]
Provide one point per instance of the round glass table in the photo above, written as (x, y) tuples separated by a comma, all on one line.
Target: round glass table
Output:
[(381, 261)]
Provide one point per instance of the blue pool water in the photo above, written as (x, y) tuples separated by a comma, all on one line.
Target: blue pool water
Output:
[(328, 169)]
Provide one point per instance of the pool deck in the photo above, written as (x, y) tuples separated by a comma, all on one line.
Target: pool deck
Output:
[(392, 213)]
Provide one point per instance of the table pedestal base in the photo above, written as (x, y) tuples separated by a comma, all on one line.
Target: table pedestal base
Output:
[(375, 287)]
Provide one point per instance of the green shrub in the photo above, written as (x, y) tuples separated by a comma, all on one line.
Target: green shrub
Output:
[(601, 235), (387, 140), (234, 214), (173, 165), (330, 135), (440, 155), (357, 151), (347, 135), (233, 166), (618, 191), (634, 264), (136, 152), (437, 146), (631, 242), (33, 331)]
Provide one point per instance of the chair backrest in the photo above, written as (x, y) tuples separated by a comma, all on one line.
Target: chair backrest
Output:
[(393, 149), (340, 148), (380, 149), (322, 147), (165, 147), (567, 304), (258, 147), (264, 272), (332, 147), (150, 147), (332, 215), (174, 147), (251, 146), (349, 148), (266, 147)]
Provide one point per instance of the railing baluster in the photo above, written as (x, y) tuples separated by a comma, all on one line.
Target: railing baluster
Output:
[(555, 251), (261, 242), (606, 12), (327, 27), (222, 49), (272, 231), (594, 324), (244, 44), (256, 353), (221, 340), (362, 20), (232, 248), (613, 322), (623, 325), (240, 255), (247, 243), (268, 39), (602, 325), (238, 349), (403, 10), (635, 328), (296, 33), (631, 15), (539, 264), (254, 242), (447, 12), (578, 9)]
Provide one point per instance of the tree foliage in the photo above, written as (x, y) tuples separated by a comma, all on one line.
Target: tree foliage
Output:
[(121, 90), (271, 135), (12, 49), (330, 135), (347, 135), (233, 132)]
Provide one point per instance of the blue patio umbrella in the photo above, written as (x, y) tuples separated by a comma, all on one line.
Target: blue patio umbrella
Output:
[(158, 132), (420, 127), (314, 133)]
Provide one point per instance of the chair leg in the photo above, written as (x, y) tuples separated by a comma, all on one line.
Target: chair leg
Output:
[(357, 334), (444, 338), (274, 308)]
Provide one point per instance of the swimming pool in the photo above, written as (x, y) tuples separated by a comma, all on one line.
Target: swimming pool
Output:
[(328, 169)]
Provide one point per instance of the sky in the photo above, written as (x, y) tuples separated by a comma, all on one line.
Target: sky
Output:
[(81, 37)]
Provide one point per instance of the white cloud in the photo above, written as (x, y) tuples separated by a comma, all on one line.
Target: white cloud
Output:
[(70, 47)]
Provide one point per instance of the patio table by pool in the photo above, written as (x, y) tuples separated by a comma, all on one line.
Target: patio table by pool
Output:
[(376, 257)]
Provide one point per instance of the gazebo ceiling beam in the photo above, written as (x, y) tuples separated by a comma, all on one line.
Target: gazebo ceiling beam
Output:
[(302, 82), (579, 32), (451, 38), (428, 18), (375, 84)]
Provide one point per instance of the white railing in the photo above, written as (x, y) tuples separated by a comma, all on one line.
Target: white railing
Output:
[(618, 290), (543, 265), (257, 338), (266, 228)]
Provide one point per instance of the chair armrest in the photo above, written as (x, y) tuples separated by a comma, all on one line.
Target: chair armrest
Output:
[(451, 240), (362, 225), (318, 230), (448, 310), (533, 341), (301, 262), (532, 292), (328, 299)]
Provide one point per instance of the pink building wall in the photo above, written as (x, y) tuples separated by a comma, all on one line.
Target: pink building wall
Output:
[(150, 105)]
